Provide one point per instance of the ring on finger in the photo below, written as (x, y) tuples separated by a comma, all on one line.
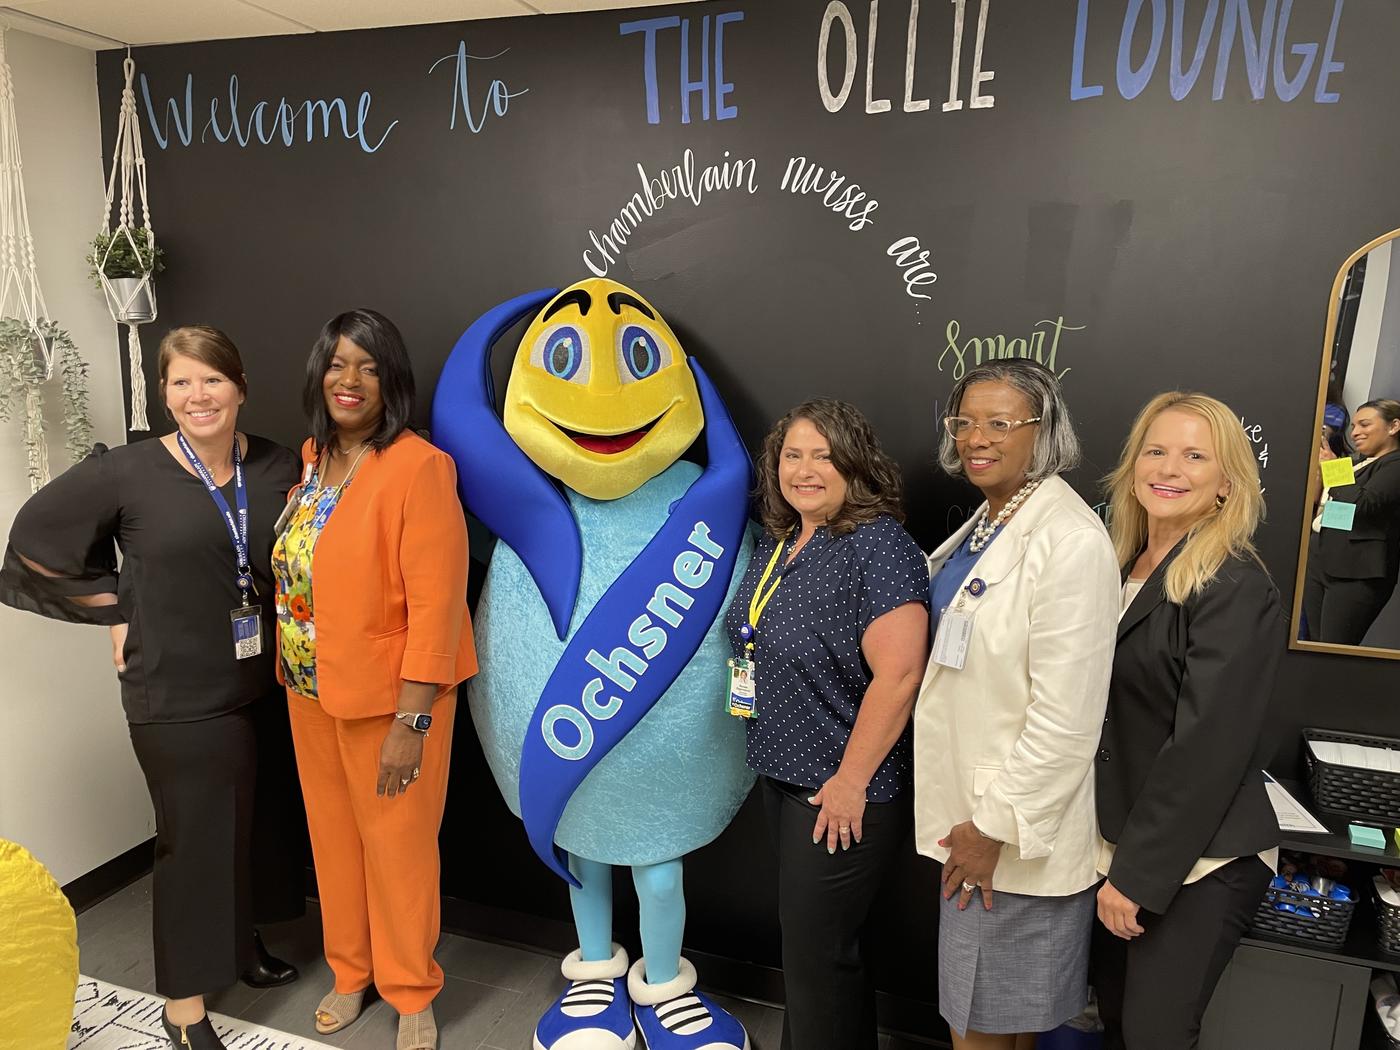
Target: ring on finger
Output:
[(404, 781), (968, 887), (415, 772)]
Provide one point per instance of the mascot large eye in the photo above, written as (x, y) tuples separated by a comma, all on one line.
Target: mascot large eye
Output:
[(562, 351), (641, 353)]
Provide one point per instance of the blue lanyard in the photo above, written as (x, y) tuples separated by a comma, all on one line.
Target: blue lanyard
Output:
[(238, 532)]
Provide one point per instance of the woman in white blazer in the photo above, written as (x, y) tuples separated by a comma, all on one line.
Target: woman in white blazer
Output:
[(1024, 600)]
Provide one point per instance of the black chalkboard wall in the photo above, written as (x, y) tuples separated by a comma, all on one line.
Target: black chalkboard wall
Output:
[(1151, 206)]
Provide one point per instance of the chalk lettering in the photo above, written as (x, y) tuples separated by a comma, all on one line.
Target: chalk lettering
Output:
[(1231, 25), (266, 122), (837, 193), (498, 95), (973, 351), (707, 88), (675, 183)]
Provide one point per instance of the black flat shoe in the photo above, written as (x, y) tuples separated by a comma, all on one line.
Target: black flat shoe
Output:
[(199, 1036), (267, 970)]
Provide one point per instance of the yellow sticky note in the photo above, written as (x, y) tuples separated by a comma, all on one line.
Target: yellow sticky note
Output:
[(1338, 472)]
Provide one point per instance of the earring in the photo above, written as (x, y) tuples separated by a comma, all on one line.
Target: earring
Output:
[(1219, 502)]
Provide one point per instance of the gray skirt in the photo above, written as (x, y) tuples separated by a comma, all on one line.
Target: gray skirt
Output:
[(1021, 967)]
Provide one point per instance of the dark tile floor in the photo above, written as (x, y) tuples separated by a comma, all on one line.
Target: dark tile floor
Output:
[(493, 997)]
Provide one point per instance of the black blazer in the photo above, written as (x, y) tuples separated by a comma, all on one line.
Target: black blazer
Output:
[(1179, 771), (1371, 550)]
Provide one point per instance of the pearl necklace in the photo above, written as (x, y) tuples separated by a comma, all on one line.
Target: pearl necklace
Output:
[(982, 534)]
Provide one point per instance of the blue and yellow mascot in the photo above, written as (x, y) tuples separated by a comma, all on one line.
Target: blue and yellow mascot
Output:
[(600, 703)]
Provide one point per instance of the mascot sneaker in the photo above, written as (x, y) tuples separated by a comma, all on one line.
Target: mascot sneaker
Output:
[(594, 1013), (674, 1016)]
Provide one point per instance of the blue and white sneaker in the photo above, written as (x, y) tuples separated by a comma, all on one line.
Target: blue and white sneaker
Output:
[(674, 1016), (594, 1013)]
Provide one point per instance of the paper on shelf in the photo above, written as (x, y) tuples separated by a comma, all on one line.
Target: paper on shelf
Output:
[(1291, 814)]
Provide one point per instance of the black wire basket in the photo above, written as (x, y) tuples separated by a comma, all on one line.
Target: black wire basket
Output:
[(1368, 795), (1319, 921)]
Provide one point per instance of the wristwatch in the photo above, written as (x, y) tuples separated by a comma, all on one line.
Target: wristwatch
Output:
[(418, 723)]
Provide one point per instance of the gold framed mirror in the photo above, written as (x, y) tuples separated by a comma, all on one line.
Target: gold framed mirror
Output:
[(1345, 599)]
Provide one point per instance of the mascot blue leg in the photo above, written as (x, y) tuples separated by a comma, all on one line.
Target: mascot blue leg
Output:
[(592, 904), (661, 905), (670, 1013), (594, 1013)]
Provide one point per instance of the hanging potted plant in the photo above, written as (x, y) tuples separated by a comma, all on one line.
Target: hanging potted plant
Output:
[(127, 259), (29, 357)]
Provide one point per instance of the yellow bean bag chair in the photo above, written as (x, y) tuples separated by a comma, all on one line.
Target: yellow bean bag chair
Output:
[(38, 953)]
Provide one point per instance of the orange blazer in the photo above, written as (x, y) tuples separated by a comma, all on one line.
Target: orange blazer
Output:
[(389, 582)]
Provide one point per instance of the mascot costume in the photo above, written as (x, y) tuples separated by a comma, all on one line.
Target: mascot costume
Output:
[(600, 703)]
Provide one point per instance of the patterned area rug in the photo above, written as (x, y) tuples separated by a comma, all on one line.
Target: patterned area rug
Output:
[(106, 1017)]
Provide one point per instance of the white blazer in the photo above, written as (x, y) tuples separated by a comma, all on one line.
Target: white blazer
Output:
[(1009, 741)]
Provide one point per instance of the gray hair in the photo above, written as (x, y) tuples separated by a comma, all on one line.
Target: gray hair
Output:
[(1056, 444)]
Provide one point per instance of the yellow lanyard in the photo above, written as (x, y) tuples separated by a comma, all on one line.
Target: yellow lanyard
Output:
[(761, 598)]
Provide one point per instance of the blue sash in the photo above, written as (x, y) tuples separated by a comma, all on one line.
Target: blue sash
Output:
[(647, 626)]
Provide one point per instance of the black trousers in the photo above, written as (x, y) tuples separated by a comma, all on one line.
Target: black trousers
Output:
[(203, 780), (824, 904), (1338, 610), (1154, 989)]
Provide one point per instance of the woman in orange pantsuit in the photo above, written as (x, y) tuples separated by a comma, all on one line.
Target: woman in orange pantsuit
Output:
[(374, 637)]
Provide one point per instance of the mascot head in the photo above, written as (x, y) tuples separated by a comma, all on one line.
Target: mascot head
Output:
[(600, 395)]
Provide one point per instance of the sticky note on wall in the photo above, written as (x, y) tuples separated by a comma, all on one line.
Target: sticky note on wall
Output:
[(1338, 515), (1337, 472)]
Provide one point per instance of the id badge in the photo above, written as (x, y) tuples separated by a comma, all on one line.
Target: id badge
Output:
[(951, 642), (247, 631), (742, 702)]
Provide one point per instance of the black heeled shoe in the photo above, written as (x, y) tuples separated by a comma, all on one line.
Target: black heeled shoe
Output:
[(267, 970), (200, 1036)]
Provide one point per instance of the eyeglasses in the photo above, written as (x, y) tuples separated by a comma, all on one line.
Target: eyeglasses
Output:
[(994, 430)]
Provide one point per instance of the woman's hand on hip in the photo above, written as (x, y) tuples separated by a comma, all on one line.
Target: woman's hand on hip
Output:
[(118, 632), (972, 860), (1118, 913), (400, 758), (842, 810)]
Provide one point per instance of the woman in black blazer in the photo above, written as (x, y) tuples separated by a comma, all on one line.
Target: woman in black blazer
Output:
[(1352, 572), (1189, 835)]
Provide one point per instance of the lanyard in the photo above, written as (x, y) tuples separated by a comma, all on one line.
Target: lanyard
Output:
[(237, 531), (761, 598)]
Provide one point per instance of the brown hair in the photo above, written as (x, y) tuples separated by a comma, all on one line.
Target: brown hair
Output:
[(208, 346), (873, 482)]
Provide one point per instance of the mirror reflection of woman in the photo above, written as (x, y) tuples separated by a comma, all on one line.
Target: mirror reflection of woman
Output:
[(1189, 834), (1352, 572)]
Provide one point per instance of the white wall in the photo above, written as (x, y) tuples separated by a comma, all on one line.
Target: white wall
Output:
[(1365, 338), (70, 788)]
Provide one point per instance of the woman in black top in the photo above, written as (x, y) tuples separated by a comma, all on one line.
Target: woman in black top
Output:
[(1352, 572), (204, 721), (833, 615), (1189, 835)]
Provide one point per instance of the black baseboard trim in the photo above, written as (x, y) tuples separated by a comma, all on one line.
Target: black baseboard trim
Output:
[(106, 879), (909, 1019)]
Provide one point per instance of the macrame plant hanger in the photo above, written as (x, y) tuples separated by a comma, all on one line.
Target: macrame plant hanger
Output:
[(132, 300), (22, 307)]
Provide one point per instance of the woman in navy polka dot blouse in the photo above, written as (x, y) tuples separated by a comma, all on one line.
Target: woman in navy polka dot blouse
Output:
[(833, 613)]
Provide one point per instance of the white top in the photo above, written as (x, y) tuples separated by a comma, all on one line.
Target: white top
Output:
[(1009, 740)]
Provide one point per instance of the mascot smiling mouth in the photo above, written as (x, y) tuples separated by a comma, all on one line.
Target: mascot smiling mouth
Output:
[(607, 444)]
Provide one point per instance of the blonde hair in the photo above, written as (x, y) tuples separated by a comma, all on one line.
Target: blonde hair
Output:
[(1224, 532)]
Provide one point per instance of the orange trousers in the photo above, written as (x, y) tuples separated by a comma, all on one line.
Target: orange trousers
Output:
[(376, 857)]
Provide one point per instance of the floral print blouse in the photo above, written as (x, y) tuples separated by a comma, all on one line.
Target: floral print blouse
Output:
[(291, 565)]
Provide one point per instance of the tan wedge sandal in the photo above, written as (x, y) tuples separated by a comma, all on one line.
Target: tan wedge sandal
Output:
[(336, 1011), (418, 1031)]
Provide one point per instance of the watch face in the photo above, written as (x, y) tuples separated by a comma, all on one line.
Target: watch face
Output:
[(422, 722)]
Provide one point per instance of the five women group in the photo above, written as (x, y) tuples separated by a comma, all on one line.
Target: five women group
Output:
[(1071, 717)]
